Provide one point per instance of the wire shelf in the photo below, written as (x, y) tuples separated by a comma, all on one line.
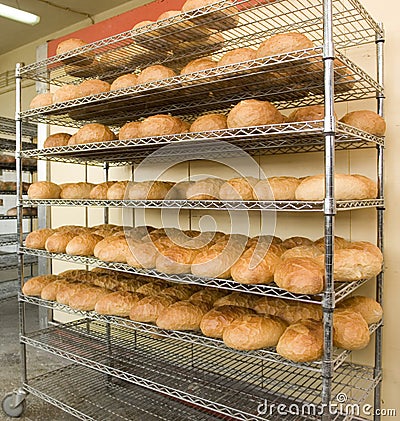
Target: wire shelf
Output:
[(11, 166), (9, 289), (342, 289), (91, 396), (174, 41), (7, 127), (230, 384), (10, 261), (5, 217), (10, 239), (272, 139), (8, 145), (339, 355), (301, 83)]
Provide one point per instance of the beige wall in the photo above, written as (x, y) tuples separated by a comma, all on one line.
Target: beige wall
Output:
[(356, 225)]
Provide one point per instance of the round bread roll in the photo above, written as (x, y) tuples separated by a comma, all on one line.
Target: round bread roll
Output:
[(57, 139), (117, 191), (154, 73), (206, 189), (252, 112), (93, 87), (86, 298), (66, 93), (339, 243), (175, 260), (99, 192), (49, 292), (216, 320), (276, 188), (238, 299), (65, 292), (94, 132), (148, 190), (152, 288), (37, 239), (251, 332), (238, 189), (72, 44), (83, 245), (237, 56), (119, 303), (149, 308), (34, 286), (209, 122), (198, 64), (301, 275), (41, 100), (369, 308), (310, 113), (124, 81), (347, 187), (76, 190), (207, 295), (371, 185), (350, 330), (44, 190), (296, 242), (284, 43), (366, 120), (129, 130), (159, 125), (301, 251), (57, 242), (302, 341), (115, 251), (182, 315)]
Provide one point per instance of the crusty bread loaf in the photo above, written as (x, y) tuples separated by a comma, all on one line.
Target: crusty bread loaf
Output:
[(252, 112), (37, 239), (86, 299), (154, 73), (148, 190), (216, 320), (347, 187), (276, 188), (237, 299), (50, 291), (117, 303), (206, 189), (116, 250), (251, 331), (57, 139), (237, 56), (71, 44), (301, 251), (300, 275), (369, 308), (124, 81), (208, 295), (283, 43), (371, 185), (93, 87), (83, 245), (149, 308), (152, 288), (143, 255), (66, 93), (339, 243), (181, 292), (34, 286), (367, 121), (264, 240), (209, 122), (238, 189), (182, 315), (160, 125), (296, 241), (57, 242), (94, 132), (99, 192), (197, 65), (76, 190), (41, 100), (129, 130), (350, 330), (179, 190), (310, 113), (367, 247), (175, 260), (65, 292), (44, 190), (117, 191), (302, 341)]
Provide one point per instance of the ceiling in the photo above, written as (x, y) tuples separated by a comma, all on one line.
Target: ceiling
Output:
[(52, 19)]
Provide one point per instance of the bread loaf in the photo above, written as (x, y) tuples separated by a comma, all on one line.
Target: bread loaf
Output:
[(149, 308), (238, 189), (276, 188), (86, 299), (65, 292), (154, 73), (152, 288), (159, 125), (181, 292), (124, 81), (206, 189), (66, 93), (117, 303), (310, 113), (94, 132), (148, 190), (283, 43), (209, 122), (175, 260), (76, 190), (237, 299), (143, 256), (369, 309), (339, 243), (250, 332), (301, 251), (99, 192), (302, 341), (296, 242), (71, 44), (41, 100), (370, 184), (179, 190), (57, 242), (237, 56), (207, 295), (116, 250), (34, 286), (350, 330), (129, 131), (300, 275), (366, 120), (197, 65), (117, 190), (83, 245), (252, 112), (37, 239), (44, 190), (93, 87), (57, 139), (49, 292)]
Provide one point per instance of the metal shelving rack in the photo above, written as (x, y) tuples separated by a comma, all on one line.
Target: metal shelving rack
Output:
[(120, 358)]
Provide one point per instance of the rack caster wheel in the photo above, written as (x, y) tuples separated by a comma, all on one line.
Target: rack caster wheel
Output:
[(12, 405)]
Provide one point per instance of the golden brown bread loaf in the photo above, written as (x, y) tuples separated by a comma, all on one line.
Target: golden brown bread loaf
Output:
[(350, 330), (83, 245), (237, 56), (206, 189), (366, 246), (197, 65), (238, 189), (182, 315), (179, 190), (302, 341), (159, 125), (143, 255), (371, 185), (366, 120), (347, 187), (57, 139), (252, 112), (72, 140), (124, 81), (37, 239), (70, 44), (181, 292), (339, 243), (310, 113), (94, 132), (86, 299), (154, 73), (49, 292), (149, 308), (301, 251), (65, 292), (276, 188), (119, 303), (300, 275), (129, 130), (152, 288), (93, 87), (208, 295), (369, 308), (57, 242), (76, 190), (44, 190), (35, 285), (264, 239), (283, 43), (216, 320), (41, 100), (117, 190), (251, 331), (115, 251), (297, 241), (238, 299), (209, 122), (175, 260), (66, 93), (148, 190), (99, 192)]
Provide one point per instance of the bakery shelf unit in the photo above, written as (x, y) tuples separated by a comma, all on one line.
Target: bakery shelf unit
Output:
[(8, 260), (112, 359)]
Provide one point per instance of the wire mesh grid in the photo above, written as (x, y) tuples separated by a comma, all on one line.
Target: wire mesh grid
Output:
[(11, 166), (233, 385), (8, 145), (342, 289), (10, 261), (7, 127), (10, 239), (4, 217)]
